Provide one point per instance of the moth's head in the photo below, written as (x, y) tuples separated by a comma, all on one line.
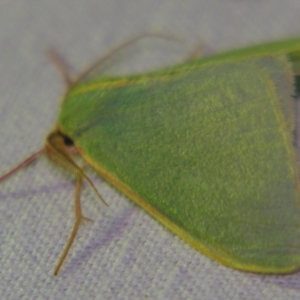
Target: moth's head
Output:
[(60, 148), (57, 136)]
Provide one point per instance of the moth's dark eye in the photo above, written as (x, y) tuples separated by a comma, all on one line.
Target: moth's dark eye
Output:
[(67, 141)]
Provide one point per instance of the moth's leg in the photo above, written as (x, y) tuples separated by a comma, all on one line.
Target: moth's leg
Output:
[(114, 51), (78, 219), (65, 69), (62, 66)]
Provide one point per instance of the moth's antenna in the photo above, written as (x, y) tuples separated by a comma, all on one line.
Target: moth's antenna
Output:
[(23, 164)]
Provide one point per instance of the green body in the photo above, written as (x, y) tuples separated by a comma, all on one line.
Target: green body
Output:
[(206, 147)]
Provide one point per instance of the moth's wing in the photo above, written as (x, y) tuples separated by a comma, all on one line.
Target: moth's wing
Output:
[(207, 151)]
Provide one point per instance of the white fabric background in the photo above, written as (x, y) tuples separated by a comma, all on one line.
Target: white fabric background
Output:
[(124, 254)]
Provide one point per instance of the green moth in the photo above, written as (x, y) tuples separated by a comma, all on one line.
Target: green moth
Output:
[(206, 147)]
